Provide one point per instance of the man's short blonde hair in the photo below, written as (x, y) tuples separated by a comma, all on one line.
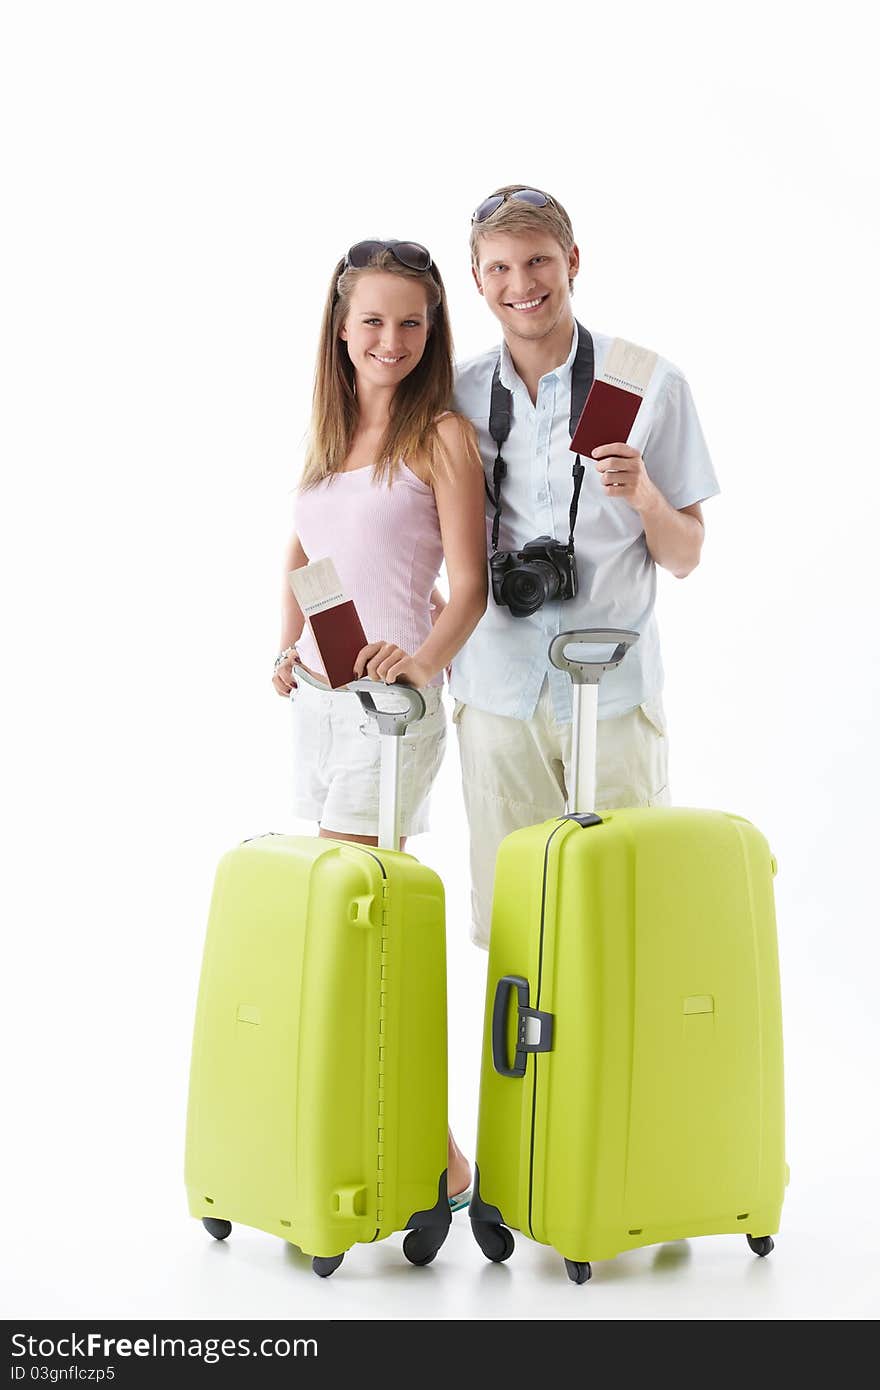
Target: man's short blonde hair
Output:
[(515, 217)]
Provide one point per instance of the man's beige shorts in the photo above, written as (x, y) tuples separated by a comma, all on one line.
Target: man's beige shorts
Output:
[(514, 773)]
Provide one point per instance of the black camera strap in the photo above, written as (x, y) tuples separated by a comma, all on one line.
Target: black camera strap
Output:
[(499, 427)]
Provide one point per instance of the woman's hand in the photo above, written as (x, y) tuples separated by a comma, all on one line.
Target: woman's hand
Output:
[(283, 679), (382, 661)]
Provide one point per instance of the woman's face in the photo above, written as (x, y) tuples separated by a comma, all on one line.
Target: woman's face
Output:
[(386, 328)]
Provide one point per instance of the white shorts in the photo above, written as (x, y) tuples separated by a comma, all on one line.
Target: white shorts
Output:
[(514, 773), (336, 756)]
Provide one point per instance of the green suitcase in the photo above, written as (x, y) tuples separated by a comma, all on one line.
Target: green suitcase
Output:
[(317, 1104), (631, 1087)]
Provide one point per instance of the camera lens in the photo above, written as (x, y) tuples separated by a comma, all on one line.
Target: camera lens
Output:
[(528, 586)]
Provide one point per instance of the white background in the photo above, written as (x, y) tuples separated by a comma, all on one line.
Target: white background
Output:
[(179, 180)]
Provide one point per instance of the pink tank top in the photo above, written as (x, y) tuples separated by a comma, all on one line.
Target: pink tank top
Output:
[(386, 546)]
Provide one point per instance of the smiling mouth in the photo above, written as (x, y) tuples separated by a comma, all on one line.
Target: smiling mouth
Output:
[(385, 361), (527, 306)]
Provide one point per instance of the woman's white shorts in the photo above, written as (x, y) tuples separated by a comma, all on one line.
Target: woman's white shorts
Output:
[(336, 752)]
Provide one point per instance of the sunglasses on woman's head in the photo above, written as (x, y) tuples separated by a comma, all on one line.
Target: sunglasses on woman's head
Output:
[(533, 196), (409, 253)]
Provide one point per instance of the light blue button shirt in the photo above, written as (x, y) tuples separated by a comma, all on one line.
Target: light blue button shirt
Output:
[(502, 666)]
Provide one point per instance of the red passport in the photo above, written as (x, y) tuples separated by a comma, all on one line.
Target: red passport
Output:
[(614, 398), (338, 637), (333, 618)]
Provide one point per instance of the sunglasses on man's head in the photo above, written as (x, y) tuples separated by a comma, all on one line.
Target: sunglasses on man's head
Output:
[(533, 196), (409, 253)]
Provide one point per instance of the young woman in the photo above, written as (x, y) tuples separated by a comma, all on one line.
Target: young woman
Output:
[(392, 487)]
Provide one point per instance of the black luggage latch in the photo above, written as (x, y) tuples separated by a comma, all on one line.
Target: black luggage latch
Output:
[(534, 1029)]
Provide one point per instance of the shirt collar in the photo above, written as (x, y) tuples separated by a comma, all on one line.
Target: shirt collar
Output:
[(509, 376)]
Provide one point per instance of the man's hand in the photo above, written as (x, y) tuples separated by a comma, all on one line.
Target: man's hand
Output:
[(674, 536), (382, 661), (623, 474)]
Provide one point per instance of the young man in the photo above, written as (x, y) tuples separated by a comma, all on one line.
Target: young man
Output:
[(638, 507)]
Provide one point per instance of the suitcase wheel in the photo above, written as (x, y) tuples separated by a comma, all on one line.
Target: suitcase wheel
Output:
[(578, 1271), (421, 1245), (495, 1241), (324, 1265), (216, 1228), (762, 1245)]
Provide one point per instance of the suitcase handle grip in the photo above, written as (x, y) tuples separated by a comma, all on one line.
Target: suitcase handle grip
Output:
[(543, 1042), (589, 672), (389, 723)]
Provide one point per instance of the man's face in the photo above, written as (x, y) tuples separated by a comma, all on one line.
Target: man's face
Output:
[(524, 279)]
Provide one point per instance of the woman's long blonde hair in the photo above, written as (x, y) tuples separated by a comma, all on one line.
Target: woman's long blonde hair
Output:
[(420, 398)]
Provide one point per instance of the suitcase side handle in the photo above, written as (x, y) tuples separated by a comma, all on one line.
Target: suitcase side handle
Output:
[(534, 1029), (589, 672)]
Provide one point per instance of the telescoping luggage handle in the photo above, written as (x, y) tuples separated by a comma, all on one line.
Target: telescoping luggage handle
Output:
[(534, 1030), (394, 724), (585, 677)]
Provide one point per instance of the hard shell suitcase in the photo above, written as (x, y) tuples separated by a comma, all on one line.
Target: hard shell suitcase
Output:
[(631, 1086), (317, 1103)]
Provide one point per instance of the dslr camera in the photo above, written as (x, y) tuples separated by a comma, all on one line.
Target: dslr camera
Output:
[(544, 569)]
